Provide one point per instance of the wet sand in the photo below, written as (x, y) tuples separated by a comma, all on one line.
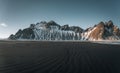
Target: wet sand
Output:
[(58, 57)]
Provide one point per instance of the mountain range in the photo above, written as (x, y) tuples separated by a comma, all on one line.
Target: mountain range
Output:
[(53, 31)]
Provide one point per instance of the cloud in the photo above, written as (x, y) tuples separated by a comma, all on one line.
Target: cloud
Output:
[(3, 25)]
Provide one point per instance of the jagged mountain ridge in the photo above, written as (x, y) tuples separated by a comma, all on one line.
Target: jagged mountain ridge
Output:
[(53, 31), (102, 31), (48, 31)]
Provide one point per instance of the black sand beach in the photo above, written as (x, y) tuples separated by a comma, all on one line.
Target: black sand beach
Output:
[(58, 57)]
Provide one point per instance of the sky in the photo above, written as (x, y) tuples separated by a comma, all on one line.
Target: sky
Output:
[(19, 14)]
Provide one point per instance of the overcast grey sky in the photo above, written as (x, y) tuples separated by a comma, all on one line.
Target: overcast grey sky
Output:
[(16, 14)]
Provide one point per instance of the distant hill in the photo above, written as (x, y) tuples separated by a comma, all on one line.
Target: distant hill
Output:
[(53, 31)]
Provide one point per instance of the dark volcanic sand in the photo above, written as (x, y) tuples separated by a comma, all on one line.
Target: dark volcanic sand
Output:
[(58, 57)]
